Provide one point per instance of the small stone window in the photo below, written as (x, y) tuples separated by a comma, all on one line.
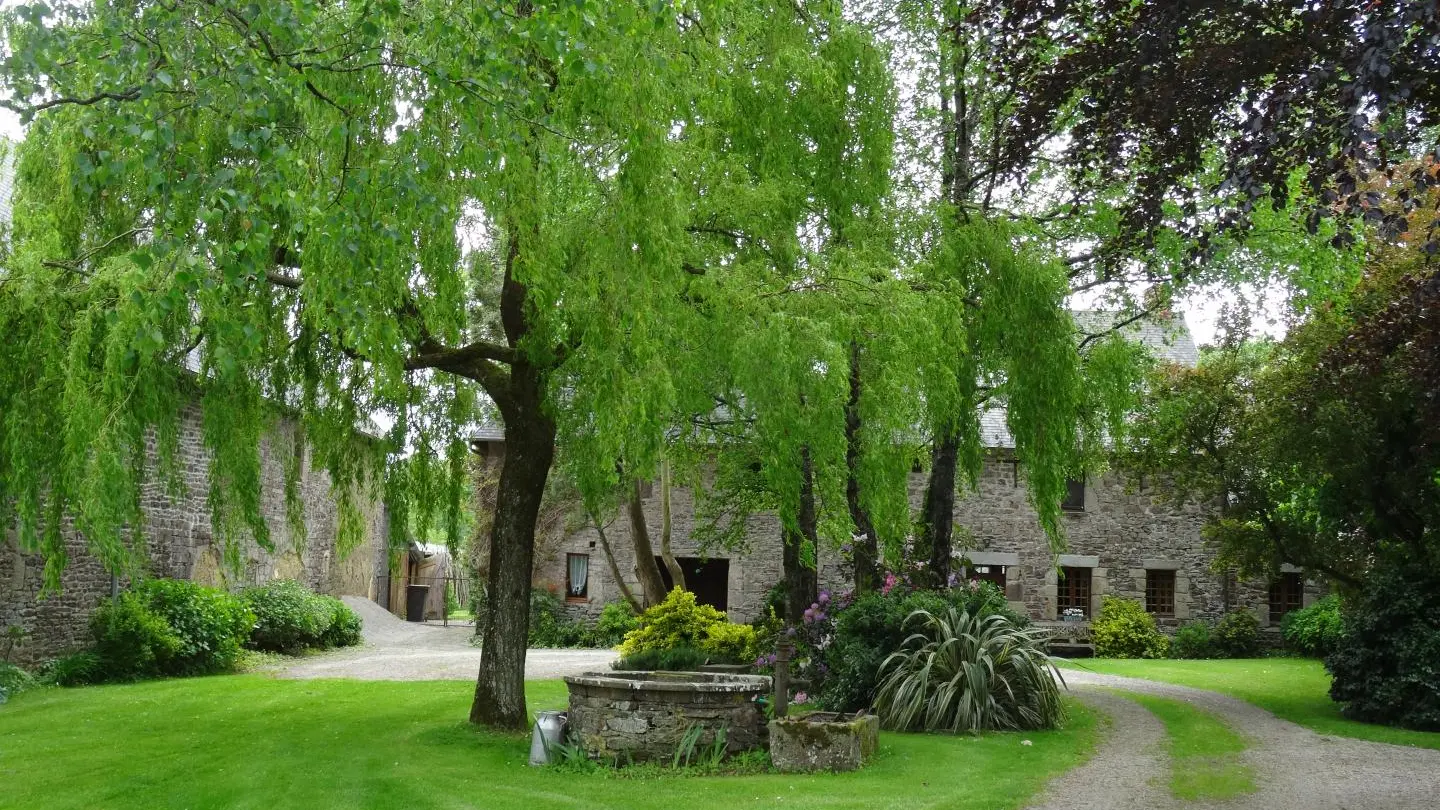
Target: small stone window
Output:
[(1073, 590), (1160, 592), (1286, 594), (577, 577), (1074, 495), (989, 573)]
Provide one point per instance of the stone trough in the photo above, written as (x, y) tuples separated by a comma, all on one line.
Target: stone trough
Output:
[(823, 741), (643, 716)]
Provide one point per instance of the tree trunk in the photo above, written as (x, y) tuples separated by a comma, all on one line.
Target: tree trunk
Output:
[(529, 451), (625, 591), (645, 566), (801, 582), (865, 549), (939, 521), (677, 574)]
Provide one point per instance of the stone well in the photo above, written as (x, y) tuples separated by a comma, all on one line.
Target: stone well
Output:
[(642, 716), (823, 741)]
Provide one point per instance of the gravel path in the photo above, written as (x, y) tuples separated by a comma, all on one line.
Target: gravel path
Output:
[(1295, 768), (1127, 773), (397, 650)]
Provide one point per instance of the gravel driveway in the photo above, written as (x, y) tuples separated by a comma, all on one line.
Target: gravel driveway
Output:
[(396, 650), (1295, 768)]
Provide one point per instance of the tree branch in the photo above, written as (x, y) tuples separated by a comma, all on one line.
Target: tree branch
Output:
[(435, 356)]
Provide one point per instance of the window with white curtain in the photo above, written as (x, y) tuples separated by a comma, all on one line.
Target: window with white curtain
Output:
[(577, 576)]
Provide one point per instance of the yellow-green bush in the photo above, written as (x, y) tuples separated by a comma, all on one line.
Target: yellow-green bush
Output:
[(731, 643), (679, 621), (1125, 630)]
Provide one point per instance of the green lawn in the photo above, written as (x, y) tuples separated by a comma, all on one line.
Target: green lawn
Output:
[(1295, 689), (251, 741), (1204, 752)]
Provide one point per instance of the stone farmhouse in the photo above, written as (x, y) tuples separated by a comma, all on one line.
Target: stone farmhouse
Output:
[(1124, 538)]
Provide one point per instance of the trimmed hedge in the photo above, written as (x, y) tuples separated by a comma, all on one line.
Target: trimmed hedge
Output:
[(131, 640), (211, 625), (289, 618), (167, 627)]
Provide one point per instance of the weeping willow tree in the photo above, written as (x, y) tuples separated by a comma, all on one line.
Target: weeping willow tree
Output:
[(405, 211)]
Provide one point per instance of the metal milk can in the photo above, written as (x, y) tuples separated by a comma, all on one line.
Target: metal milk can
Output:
[(549, 731)]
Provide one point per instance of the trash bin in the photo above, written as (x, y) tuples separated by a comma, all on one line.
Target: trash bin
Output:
[(549, 731), (415, 596)]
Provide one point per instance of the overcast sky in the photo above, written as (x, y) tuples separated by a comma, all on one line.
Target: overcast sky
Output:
[(1201, 310)]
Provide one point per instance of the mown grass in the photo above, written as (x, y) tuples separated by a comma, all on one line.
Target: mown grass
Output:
[(1294, 689), (1204, 751), (251, 741)]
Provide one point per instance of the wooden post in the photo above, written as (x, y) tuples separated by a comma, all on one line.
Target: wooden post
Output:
[(783, 650)]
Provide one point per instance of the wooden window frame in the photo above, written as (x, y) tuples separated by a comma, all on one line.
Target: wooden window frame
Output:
[(1072, 590), (584, 596), (1160, 592), (1287, 593), (1072, 503)]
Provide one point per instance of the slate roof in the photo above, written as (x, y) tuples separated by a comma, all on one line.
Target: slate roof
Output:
[(1168, 339)]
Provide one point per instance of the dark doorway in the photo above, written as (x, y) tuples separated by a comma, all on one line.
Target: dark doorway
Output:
[(708, 579)]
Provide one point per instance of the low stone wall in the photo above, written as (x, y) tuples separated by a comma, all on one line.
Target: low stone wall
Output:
[(823, 741), (643, 716)]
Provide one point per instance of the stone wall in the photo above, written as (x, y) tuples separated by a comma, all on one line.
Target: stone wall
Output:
[(180, 544), (1126, 528), (644, 716)]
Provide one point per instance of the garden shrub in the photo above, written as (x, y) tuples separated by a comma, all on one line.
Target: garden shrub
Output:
[(1192, 640), (345, 625), (1386, 663), (616, 619), (1313, 631), (728, 643), (1124, 630), (1236, 636), (75, 669), (13, 681), (675, 659), (550, 626), (860, 634), (211, 625), (287, 617), (131, 640), (958, 672), (290, 617), (679, 621)]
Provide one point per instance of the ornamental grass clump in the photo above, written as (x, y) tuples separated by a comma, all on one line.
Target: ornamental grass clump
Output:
[(959, 672)]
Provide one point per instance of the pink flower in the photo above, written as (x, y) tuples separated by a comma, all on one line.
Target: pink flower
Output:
[(890, 582), (801, 697)]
